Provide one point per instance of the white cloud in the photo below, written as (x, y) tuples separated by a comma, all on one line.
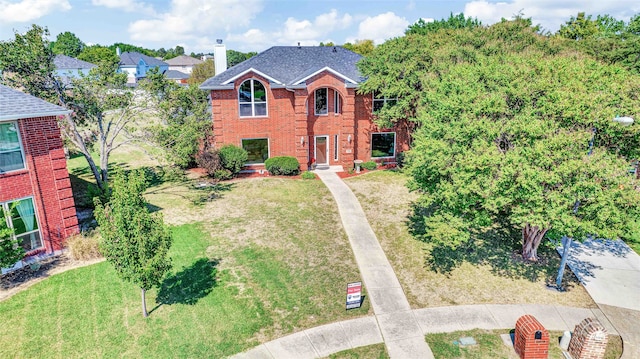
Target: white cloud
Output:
[(306, 32), (126, 5), (29, 10), (548, 13), (192, 19), (382, 27)]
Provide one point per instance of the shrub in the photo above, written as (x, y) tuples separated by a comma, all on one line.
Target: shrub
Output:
[(400, 159), (210, 161), (84, 246), (233, 158), (308, 175), (223, 174), (369, 165), (283, 165)]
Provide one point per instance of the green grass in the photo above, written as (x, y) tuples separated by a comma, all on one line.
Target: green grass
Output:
[(489, 345), (487, 272), (261, 259), (375, 351)]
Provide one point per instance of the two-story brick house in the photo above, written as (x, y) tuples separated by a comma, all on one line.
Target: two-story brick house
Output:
[(301, 101), (35, 192)]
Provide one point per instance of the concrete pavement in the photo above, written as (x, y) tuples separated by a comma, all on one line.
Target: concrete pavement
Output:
[(610, 272), (335, 337)]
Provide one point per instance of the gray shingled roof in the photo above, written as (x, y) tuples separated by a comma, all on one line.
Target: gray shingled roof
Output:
[(132, 58), (67, 62), (15, 105), (175, 74), (289, 64), (183, 60)]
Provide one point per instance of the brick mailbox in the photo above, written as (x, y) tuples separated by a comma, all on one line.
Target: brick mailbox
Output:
[(589, 340), (531, 339)]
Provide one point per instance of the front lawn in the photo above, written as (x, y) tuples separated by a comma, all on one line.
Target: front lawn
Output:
[(260, 259), (489, 272)]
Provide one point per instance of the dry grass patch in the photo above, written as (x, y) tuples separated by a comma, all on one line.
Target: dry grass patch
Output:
[(485, 273)]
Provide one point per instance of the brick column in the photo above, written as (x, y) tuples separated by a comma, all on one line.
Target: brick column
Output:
[(301, 128), (348, 150), (589, 340)]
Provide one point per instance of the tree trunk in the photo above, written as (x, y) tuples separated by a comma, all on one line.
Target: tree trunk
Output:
[(531, 238), (76, 138), (144, 303)]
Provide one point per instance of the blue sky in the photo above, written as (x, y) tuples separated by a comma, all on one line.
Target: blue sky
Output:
[(255, 25)]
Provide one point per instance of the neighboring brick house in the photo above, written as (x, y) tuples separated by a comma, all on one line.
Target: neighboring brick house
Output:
[(302, 102), (35, 192)]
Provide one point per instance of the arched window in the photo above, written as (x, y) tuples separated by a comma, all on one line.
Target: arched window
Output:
[(252, 98)]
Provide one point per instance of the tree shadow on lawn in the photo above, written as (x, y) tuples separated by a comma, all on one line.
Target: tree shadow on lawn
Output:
[(498, 247), (190, 284)]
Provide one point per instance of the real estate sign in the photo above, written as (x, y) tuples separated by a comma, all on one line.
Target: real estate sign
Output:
[(354, 295)]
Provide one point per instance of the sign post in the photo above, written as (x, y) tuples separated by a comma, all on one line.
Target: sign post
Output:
[(354, 295)]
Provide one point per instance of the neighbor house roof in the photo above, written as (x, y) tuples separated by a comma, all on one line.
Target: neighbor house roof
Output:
[(183, 60), (15, 105), (291, 65), (132, 58), (67, 62), (175, 75)]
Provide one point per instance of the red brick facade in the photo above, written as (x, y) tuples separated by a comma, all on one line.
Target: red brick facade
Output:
[(45, 179), (525, 342), (292, 130)]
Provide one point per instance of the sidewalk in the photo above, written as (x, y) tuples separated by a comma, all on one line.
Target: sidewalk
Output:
[(610, 272), (335, 337)]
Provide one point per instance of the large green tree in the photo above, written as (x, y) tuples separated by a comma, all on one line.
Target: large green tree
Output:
[(103, 106), (97, 54), (67, 43), (362, 47), (459, 21), (135, 241), (201, 72), (505, 120), (185, 120)]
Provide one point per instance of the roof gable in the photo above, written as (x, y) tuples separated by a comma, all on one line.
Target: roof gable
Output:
[(291, 65), (66, 62), (132, 58), (16, 105), (183, 60)]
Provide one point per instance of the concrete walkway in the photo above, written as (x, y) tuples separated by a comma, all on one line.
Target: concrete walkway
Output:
[(398, 324), (335, 337), (610, 272)]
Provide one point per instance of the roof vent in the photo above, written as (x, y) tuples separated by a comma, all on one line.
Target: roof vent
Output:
[(219, 41), (334, 49), (298, 44)]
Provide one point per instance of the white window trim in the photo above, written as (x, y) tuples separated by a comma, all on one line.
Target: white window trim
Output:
[(24, 157), (253, 101), (336, 147), (395, 142), (5, 207), (268, 149), (315, 101), (383, 99)]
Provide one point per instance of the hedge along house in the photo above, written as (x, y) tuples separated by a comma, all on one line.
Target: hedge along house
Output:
[(35, 192), (301, 101)]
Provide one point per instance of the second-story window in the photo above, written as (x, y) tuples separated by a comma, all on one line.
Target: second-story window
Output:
[(380, 101), (321, 107), (11, 152), (252, 98)]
